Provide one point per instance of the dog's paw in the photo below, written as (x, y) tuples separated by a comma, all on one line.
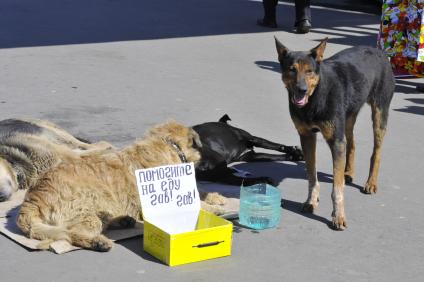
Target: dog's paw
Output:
[(309, 207), (214, 199), (348, 179), (101, 244), (297, 154), (294, 153), (339, 223), (127, 222), (370, 188), (44, 244), (215, 209)]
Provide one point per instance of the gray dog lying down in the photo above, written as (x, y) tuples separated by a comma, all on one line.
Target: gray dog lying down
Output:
[(83, 195), (29, 147)]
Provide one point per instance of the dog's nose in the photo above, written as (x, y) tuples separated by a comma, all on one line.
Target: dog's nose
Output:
[(6, 190), (300, 92), (5, 194), (301, 87)]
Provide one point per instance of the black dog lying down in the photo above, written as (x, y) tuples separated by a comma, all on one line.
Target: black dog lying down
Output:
[(223, 144)]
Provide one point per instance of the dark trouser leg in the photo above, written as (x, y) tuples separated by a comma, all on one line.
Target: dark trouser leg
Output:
[(269, 10), (269, 19), (303, 10), (303, 16)]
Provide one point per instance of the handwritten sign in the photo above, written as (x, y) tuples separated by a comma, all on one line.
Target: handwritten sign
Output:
[(169, 197)]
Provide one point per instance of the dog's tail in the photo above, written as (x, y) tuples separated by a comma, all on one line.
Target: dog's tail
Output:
[(33, 226), (224, 118)]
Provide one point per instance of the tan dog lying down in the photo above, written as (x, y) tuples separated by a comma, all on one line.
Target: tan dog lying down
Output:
[(29, 147), (79, 198)]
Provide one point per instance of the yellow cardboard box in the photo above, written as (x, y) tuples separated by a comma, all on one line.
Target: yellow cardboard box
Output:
[(210, 239)]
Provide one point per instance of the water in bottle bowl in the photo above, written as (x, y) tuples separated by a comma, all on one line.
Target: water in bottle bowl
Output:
[(260, 206)]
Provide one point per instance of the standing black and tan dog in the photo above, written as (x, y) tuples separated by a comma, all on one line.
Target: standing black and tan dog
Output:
[(327, 95)]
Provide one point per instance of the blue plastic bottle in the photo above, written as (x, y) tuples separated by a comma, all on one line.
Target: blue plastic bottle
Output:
[(260, 206)]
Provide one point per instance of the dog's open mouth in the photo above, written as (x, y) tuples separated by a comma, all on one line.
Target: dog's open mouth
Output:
[(300, 101)]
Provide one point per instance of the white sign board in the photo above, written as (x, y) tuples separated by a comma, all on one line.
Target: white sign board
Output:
[(169, 197)]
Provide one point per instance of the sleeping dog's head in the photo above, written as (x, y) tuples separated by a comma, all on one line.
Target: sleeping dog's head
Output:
[(8, 180), (175, 137), (300, 71)]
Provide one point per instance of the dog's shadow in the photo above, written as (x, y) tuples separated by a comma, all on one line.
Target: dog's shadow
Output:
[(279, 171), (269, 65), (296, 207)]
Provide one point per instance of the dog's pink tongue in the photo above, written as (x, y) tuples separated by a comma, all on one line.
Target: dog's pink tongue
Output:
[(300, 102)]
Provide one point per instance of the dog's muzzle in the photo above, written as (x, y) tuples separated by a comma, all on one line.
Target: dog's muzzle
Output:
[(299, 98), (6, 190)]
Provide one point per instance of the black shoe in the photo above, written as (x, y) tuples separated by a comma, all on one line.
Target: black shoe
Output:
[(266, 23), (303, 26), (420, 87)]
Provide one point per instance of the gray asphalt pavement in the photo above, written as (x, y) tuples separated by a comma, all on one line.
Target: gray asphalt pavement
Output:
[(108, 70)]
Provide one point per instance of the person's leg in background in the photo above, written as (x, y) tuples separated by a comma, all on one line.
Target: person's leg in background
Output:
[(269, 19), (303, 16)]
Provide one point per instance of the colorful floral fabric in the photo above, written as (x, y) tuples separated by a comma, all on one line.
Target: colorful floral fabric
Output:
[(399, 35), (420, 57)]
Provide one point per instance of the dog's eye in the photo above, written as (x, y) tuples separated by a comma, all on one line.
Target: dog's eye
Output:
[(292, 69)]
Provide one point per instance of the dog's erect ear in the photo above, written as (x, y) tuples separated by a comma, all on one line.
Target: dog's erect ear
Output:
[(281, 49), (318, 52), (224, 118), (196, 139)]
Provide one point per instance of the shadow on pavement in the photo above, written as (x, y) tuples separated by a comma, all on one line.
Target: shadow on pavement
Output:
[(282, 170), (135, 245), (407, 86), (295, 207), (412, 110), (410, 87), (52, 22), (269, 65), (279, 171)]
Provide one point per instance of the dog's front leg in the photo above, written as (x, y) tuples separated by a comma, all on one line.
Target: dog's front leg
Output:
[(308, 141), (338, 151)]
